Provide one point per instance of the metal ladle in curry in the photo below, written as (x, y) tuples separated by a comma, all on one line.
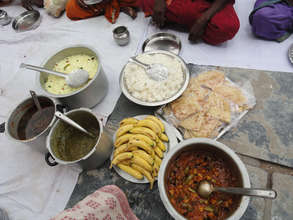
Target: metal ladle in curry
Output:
[(74, 79), (205, 189)]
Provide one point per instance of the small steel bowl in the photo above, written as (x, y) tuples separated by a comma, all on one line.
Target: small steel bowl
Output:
[(121, 35), (220, 150), (157, 103), (27, 20)]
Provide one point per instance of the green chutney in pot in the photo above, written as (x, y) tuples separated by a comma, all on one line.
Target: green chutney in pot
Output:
[(70, 144)]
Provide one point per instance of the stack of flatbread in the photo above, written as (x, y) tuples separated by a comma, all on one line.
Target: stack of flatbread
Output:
[(205, 106)]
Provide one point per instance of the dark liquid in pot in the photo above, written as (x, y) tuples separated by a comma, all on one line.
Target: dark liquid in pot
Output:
[(35, 121)]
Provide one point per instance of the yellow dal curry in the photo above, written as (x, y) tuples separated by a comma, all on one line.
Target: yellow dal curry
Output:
[(57, 85)]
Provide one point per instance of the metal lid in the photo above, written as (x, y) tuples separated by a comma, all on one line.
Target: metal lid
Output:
[(162, 41), (290, 53), (27, 20)]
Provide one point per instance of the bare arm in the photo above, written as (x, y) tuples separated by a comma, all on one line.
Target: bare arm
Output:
[(198, 28)]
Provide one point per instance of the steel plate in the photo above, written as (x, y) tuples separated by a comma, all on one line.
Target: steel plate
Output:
[(162, 41), (172, 143), (27, 20)]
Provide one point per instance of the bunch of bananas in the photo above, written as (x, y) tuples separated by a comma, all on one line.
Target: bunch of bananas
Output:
[(139, 147)]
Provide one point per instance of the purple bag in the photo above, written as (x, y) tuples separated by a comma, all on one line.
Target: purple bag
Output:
[(272, 19)]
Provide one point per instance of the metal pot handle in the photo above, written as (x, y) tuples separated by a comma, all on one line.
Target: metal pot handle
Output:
[(2, 127), (47, 158)]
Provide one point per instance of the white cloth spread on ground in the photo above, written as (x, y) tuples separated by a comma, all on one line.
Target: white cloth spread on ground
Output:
[(29, 189)]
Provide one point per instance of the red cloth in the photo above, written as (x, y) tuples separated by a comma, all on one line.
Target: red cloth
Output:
[(110, 9), (222, 27)]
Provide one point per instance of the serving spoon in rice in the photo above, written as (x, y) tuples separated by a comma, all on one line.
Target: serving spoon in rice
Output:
[(155, 71), (74, 79)]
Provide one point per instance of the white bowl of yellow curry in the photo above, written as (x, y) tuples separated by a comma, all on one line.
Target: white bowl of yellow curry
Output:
[(70, 59)]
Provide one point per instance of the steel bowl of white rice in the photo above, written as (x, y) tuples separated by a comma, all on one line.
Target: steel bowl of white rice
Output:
[(141, 89)]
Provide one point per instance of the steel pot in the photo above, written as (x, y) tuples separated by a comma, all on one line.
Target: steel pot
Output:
[(11, 127), (96, 156), (236, 165), (89, 95)]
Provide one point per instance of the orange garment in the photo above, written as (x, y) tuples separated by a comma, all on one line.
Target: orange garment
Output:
[(76, 9)]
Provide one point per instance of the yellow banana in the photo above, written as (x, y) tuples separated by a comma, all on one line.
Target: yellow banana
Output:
[(145, 139), (125, 162), (155, 170), (161, 145), (122, 140), (120, 149), (158, 151), (131, 148), (145, 131), (121, 157), (135, 173), (149, 124), (141, 162), (146, 173), (144, 156), (158, 121), (158, 161), (127, 121), (124, 129), (141, 144), (164, 137)]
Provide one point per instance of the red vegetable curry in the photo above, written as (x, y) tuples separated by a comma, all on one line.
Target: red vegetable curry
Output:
[(185, 174)]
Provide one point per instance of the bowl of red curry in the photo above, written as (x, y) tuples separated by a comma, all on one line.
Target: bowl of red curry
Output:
[(193, 161)]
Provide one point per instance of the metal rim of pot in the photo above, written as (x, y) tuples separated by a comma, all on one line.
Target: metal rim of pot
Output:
[(79, 90), (238, 213), (55, 160), (6, 124)]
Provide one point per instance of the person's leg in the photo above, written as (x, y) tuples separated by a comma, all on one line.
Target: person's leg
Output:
[(273, 22), (223, 26)]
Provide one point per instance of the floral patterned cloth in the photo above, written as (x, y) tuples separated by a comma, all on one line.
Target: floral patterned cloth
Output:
[(107, 203)]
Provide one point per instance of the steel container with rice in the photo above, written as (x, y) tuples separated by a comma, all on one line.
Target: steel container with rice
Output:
[(141, 88)]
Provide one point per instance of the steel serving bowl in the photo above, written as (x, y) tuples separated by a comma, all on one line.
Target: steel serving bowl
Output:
[(204, 144), (90, 94), (184, 85)]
